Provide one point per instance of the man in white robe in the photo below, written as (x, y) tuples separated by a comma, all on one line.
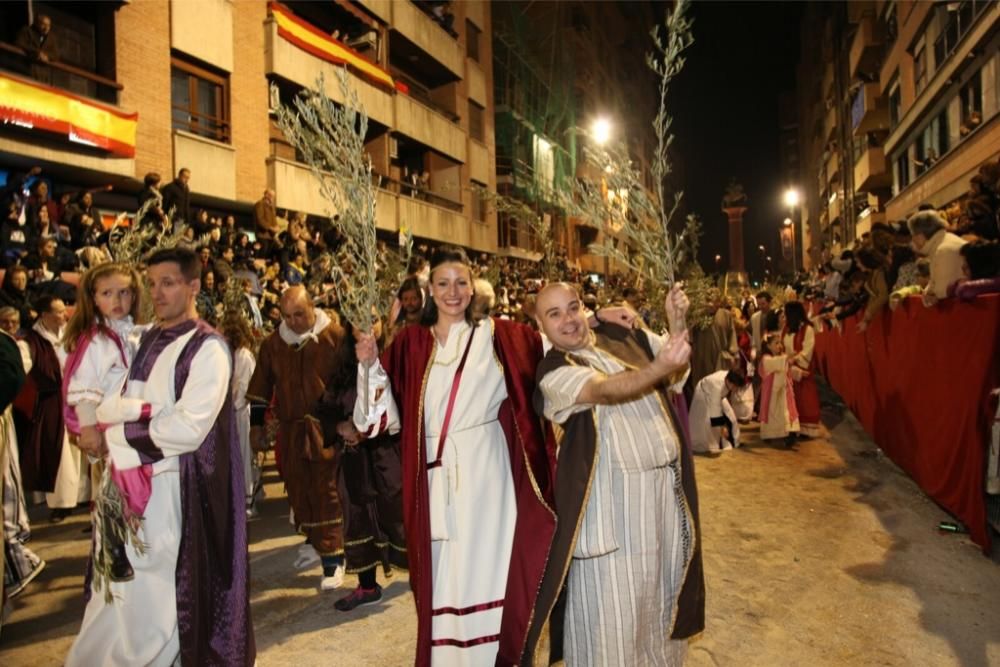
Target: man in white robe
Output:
[(175, 408), (634, 548), (714, 423)]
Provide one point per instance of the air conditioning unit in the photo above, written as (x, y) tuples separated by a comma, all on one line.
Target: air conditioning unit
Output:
[(369, 40), (393, 147)]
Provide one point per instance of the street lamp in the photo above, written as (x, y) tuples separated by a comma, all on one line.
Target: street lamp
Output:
[(792, 200), (600, 131)]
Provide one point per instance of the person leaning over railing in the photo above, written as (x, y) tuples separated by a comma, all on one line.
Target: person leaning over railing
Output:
[(932, 240)]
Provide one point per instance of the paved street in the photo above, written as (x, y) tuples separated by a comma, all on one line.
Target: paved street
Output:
[(827, 555)]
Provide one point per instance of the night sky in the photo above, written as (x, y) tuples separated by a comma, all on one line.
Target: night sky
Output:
[(725, 108)]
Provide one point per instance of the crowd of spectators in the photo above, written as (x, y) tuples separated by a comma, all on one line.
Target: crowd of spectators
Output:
[(46, 241)]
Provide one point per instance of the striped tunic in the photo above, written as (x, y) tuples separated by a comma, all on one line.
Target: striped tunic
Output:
[(635, 541)]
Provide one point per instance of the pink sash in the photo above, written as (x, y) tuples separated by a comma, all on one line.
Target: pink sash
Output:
[(73, 362), (135, 484)]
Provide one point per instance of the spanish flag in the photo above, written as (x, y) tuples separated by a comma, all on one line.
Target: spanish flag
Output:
[(311, 39), (31, 104)]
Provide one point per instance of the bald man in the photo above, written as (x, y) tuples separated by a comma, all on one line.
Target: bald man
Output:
[(627, 543), (293, 366)]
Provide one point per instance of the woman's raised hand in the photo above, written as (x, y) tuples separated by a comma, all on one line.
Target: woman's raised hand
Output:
[(366, 349)]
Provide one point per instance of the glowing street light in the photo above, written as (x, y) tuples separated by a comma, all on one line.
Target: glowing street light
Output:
[(600, 131), (791, 198)]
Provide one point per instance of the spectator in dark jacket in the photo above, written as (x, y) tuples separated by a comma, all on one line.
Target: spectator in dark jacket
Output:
[(82, 220), (177, 196), (40, 48)]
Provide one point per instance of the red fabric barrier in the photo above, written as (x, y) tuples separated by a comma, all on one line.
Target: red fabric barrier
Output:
[(919, 380)]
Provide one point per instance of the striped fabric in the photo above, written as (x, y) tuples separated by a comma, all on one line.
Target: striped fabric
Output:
[(636, 539), (620, 607)]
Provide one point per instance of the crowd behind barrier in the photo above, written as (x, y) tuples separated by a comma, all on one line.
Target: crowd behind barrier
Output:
[(919, 381)]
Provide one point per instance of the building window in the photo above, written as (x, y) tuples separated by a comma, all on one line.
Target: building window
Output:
[(199, 100), (901, 172), (895, 101), (956, 19), (971, 103), (472, 40), (941, 137), (891, 26), (858, 147), (919, 66), (478, 205), (477, 129)]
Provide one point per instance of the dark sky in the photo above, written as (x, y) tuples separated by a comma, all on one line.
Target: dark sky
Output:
[(725, 108)]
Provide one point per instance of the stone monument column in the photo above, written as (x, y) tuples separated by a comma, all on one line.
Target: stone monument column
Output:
[(734, 205)]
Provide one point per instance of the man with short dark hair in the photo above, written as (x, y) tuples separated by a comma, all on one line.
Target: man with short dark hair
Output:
[(39, 47), (758, 321), (189, 601), (713, 423), (177, 197)]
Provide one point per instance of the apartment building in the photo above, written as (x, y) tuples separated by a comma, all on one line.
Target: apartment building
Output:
[(898, 106), (559, 67), (156, 85)]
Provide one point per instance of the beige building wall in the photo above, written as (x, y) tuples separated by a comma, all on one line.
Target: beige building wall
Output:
[(236, 38), (142, 54), (249, 99)]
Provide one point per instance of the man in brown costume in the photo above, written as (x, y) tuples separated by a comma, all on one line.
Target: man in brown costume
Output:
[(623, 584), (293, 366)]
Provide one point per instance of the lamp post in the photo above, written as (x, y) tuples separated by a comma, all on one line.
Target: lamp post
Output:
[(600, 130), (791, 201), (600, 133)]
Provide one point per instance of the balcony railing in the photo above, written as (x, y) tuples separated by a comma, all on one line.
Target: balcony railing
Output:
[(866, 49), (958, 25), (869, 112), (830, 123), (422, 94), (59, 75), (417, 192), (441, 14), (871, 171)]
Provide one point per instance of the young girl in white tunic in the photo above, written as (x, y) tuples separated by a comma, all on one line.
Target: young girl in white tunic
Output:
[(100, 340), (778, 416)]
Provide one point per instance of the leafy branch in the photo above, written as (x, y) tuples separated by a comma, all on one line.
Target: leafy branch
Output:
[(635, 220), (331, 139)]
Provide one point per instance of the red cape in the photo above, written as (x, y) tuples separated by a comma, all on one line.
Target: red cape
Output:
[(519, 349)]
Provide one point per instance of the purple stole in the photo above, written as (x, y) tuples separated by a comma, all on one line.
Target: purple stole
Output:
[(213, 566)]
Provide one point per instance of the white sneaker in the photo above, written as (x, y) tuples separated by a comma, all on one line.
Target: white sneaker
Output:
[(330, 583), (306, 558)]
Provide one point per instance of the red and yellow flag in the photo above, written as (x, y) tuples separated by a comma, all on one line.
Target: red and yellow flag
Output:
[(31, 104), (311, 39)]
